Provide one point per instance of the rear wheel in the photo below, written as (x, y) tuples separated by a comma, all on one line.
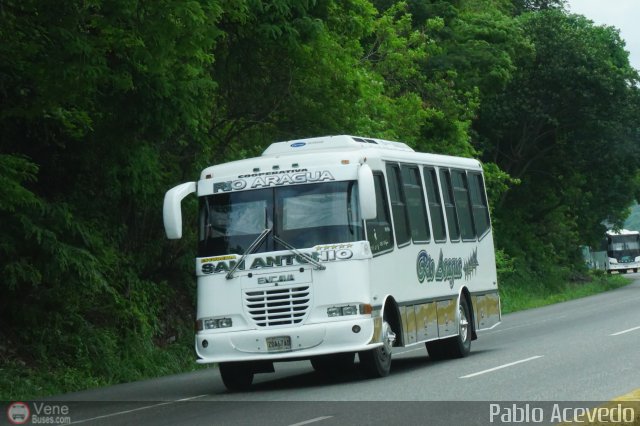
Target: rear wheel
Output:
[(377, 362), (461, 344), (236, 376), (457, 346)]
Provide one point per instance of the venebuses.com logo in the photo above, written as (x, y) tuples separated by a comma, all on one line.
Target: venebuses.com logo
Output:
[(20, 413)]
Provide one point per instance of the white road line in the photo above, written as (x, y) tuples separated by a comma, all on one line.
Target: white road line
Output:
[(317, 419), (500, 367), (625, 331), (133, 410)]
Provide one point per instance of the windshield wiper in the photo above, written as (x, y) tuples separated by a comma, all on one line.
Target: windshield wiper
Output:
[(305, 256), (254, 245)]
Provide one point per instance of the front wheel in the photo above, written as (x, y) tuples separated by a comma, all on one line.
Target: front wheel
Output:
[(333, 364), (236, 376), (377, 362)]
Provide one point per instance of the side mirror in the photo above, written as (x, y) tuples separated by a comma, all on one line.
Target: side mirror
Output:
[(367, 191), (171, 210)]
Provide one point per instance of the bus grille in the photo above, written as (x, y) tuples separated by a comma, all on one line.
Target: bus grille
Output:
[(281, 306)]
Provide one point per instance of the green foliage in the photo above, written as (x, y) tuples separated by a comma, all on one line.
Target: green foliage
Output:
[(104, 105), (632, 222), (564, 122), (523, 293)]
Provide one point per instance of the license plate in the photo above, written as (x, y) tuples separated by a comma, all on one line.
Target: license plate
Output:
[(279, 343)]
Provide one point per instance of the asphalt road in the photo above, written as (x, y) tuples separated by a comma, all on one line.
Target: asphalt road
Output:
[(581, 352)]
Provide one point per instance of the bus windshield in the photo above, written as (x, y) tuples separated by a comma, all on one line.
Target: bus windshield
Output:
[(302, 215), (624, 247)]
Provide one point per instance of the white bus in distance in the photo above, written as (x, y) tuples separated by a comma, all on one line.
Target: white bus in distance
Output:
[(329, 247), (623, 250)]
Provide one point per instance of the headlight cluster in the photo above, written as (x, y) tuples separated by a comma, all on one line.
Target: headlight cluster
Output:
[(338, 311), (212, 323)]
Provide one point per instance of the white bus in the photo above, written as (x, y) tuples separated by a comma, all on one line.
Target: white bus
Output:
[(623, 250), (329, 247)]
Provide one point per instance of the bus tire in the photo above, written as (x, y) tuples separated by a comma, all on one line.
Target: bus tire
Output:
[(236, 376), (457, 346), (377, 362), (460, 345), (437, 350), (333, 363)]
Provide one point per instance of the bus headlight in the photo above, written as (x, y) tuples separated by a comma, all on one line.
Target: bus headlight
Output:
[(338, 311), (212, 323)]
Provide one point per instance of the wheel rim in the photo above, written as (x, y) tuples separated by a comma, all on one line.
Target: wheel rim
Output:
[(388, 337), (464, 324)]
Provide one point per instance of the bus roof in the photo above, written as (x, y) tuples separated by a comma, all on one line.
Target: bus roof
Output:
[(332, 143), (317, 151), (622, 232)]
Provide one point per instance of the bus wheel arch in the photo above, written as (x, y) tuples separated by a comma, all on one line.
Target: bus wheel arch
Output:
[(391, 314), (377, 362)]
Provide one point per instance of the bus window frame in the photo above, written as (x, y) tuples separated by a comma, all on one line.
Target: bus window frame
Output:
[(433, 173), (380, 181), (411, 168), (465, 187), (478, 177), (446, 173), (402, 201)]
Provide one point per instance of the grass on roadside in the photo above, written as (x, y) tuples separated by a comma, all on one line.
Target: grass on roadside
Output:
[(517, 296), (19, 381)]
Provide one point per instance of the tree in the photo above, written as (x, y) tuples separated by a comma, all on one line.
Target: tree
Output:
[(567, 127), (101, 101)]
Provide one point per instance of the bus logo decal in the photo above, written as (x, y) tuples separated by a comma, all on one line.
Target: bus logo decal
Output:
[(323, 255), (276, 279), (278, 180), (275, 178), (449, 269), (471, 264), (297, 144), (425, 267)]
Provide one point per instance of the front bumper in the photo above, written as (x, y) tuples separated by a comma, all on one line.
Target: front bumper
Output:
[(306, 341), (623, 266)]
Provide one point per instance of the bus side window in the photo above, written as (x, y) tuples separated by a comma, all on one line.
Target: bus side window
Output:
[(379, 231), (463, 204), (449, 205), (435, 205), (398, 205), (418, 220), (479, 203)]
